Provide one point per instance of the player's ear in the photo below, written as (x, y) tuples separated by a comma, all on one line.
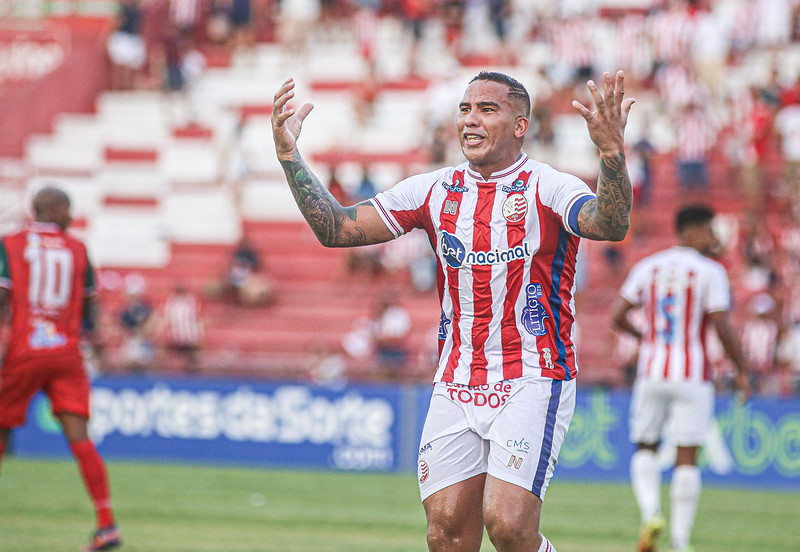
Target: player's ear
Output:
[(521, 126)]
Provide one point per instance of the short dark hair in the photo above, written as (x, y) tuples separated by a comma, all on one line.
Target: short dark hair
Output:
[(46, 198), (693, 215), (516, 90)]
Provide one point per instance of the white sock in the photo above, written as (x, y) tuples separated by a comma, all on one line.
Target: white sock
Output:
[(685, 492), (646, 482), (546, 546)]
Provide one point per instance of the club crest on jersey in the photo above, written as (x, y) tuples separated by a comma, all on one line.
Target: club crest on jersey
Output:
[(519, 185), (455, 186), (515, 208), (443, 323), (534, 313), (34, 239), (455, 254)]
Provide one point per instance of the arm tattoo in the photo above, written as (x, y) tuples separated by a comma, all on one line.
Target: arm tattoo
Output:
[(608, 217), (324, 214)]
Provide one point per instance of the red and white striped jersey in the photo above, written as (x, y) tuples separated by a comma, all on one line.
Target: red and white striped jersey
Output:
[(677, 288), (505, 252), (572, 42), (695, 136), (182, 315), (670, 32)]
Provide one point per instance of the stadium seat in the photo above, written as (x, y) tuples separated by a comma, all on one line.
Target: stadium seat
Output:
[(201, 216), (128, 237)]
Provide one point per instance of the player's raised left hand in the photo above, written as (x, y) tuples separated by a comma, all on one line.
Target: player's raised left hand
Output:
[(286, 122), (607, 121)]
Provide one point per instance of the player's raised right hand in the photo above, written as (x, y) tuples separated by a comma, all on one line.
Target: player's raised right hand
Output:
[(286, 122)]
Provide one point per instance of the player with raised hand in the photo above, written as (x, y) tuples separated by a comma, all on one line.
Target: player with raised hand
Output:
[(505, 230)]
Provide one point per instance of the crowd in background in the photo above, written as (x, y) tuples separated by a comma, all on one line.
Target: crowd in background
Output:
[(723, 78)]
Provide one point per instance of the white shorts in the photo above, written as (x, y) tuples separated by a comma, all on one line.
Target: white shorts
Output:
[(685, 409), (512, 430)]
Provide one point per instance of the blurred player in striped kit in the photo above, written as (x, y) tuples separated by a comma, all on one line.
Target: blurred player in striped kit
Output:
[(681, 291)]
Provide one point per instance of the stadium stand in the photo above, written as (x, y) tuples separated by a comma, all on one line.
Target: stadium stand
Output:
[(169, 195)]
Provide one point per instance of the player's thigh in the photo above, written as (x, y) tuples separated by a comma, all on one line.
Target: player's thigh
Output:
[(526, 437), (450, 451), (692, 413), (650, 406), (454, 515), (68, 386), (511, 508)]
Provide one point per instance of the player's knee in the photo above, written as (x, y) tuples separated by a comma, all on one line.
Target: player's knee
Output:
[(446, 532), (510, 532), (441, 537)]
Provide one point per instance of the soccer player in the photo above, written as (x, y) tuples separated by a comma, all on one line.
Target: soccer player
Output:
[(681, 291), (505, 230), (47, 281)]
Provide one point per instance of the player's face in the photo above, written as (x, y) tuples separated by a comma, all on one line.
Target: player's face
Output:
[(490, 127), (705, 240)]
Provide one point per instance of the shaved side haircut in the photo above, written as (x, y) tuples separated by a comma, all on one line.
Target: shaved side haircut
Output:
[(516, 91)]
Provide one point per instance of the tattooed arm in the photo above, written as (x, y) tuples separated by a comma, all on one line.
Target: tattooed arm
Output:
[(608, 216), (333, 224)]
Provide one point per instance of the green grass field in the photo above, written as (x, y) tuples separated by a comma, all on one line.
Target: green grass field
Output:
[(175, 508)]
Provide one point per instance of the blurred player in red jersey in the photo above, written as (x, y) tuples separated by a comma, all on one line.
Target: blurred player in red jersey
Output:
[(48, 283)]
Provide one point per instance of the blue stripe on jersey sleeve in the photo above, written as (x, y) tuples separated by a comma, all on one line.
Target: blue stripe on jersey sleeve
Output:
[(572, 216)]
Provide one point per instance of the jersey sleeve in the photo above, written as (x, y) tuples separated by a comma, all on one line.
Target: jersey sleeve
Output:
[(403, 207), (5, 274), (633, 286), (718, 296), (565, 194)]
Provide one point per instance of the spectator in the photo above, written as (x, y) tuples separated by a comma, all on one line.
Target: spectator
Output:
[(240, 21), (787, 125), (182, 322), (336, 189), (179, 63), (759, 341), (136, 320), (185, 15), (499, 14), (391, 326), (644, 151), (452, 15), (365, 94), (695, 138), (416, 14), (298, 18), (327, 365), (366, 187), (126, 48), (245, 278)]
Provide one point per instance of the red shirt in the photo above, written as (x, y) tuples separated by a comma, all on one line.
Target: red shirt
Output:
[(49, 275)]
